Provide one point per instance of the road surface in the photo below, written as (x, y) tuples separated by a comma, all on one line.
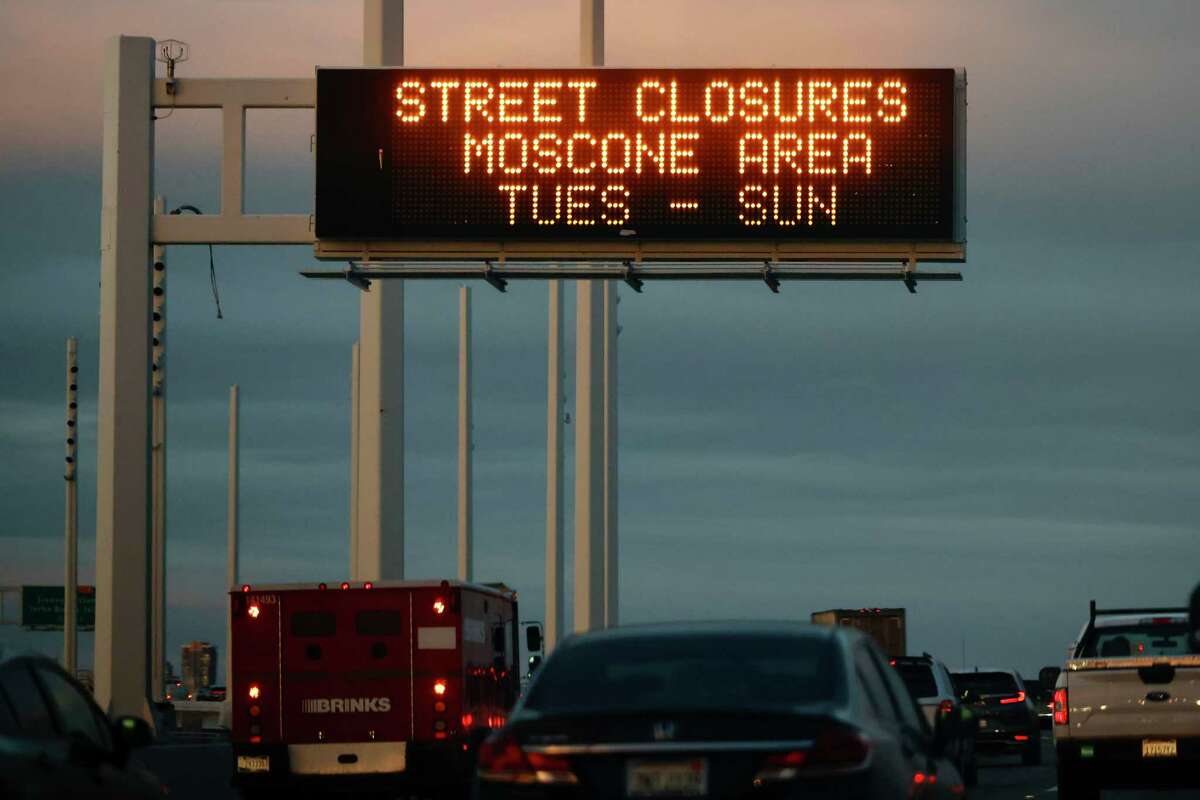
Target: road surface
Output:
[(201, 772)]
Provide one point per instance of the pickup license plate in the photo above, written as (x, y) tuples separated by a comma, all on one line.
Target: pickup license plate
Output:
[(667, 778), (254, 763), (1159, 748)]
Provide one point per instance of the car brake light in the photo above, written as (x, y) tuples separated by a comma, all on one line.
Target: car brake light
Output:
[(781, 766), (468, 720), (253, 611), (839, 748), (945, 708), (1020, 698), (502, 759), (1062, 714), (439, 687)]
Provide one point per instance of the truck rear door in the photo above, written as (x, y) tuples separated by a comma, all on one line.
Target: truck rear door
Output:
[(346, 666), (1134, 697)]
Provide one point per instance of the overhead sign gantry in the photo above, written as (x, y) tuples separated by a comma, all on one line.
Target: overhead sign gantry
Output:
[(645, 164)]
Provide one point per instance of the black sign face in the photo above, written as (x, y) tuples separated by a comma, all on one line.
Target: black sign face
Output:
[(683, 155)]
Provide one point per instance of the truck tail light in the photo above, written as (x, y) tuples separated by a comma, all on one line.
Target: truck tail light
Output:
[(439, 606), (368, 585), (439, 687), (501, 759), (255, 692), (1062, 714), (345, 585), (245, 587), (253, 611), (1006, 701)]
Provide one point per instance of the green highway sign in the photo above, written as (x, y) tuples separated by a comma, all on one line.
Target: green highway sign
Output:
[(42, 608)]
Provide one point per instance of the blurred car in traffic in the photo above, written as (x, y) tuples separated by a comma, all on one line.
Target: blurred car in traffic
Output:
[(211, 694), (1005, 718), (772, 710), (1043, 701), (56, 742), (929, 683)]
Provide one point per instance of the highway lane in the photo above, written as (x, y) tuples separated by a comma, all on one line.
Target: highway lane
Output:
[(201, 772)]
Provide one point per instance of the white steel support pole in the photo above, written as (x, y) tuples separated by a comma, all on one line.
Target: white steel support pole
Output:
[(380, 492), (554, 471), (589, 409), (232, 518), (354, 368), (466, 515), (123, 410), (70, 474), (589, 458), (611, 539), (158, 466)]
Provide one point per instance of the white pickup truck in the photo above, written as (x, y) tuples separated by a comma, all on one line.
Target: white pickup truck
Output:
[(1127, 705)]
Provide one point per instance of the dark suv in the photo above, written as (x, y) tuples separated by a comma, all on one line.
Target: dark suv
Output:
[(1005, 714)]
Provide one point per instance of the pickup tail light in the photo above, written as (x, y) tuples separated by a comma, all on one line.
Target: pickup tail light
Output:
[(1062, 714), (502, 760), (1006, 701)]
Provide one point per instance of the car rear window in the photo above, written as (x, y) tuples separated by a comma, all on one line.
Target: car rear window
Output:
[(985, 683), (1137, 640), (378, 623), (689, 672), (313, 623), (918, 677)]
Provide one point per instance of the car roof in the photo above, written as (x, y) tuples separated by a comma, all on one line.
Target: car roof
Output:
[(1125, 620), (660, 630)]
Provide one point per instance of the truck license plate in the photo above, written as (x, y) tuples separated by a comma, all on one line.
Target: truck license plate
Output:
[(1159, 748), (254, 763), (678, 778)]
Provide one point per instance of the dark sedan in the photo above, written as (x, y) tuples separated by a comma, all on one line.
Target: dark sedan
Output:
[(716, 710), (55, 741)]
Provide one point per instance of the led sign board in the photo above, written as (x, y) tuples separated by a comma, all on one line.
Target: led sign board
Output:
[(578, 156)]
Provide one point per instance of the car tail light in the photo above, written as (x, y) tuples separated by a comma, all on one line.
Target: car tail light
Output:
[(468, 720), (502, 759), (1020, 737), (945, 708), (1062, 714), (1006, 701), (781, 766), (839, 748)]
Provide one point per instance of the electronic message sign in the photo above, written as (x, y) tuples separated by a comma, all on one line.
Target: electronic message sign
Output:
[(578, 156)]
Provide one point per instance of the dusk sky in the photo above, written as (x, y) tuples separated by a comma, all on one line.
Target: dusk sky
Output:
[(990, 455)]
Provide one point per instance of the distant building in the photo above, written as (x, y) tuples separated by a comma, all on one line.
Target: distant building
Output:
[(198, 662)]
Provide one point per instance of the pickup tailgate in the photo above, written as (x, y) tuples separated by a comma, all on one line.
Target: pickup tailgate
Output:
[(1130, 697)]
